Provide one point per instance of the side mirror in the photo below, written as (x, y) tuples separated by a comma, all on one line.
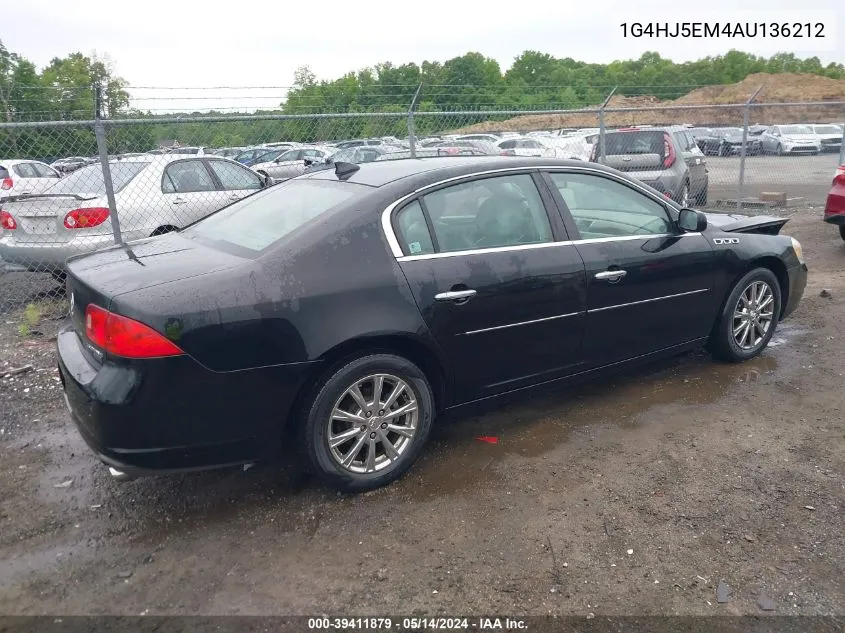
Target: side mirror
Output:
[(691, 221), (266, 181), (308, 161)]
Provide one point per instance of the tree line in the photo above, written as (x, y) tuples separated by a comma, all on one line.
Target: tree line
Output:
[(64, 91)]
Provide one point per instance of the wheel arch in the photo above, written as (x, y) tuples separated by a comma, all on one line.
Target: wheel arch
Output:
[(772, 263), (164, 228)]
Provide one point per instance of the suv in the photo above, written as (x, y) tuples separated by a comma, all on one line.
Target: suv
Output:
[(665, 158)]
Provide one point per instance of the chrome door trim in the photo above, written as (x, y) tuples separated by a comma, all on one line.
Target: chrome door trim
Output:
[(633, 303), (509, 325), (396, 249), (481, 251)]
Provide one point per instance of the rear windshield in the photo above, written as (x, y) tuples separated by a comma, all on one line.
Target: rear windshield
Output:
[(634, 143), (263, 219), (90, 179)]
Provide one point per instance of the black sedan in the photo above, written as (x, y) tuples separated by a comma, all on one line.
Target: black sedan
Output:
[(728, 141), (347, 309)]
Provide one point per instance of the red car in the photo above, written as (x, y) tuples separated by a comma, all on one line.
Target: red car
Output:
[(834, 210)]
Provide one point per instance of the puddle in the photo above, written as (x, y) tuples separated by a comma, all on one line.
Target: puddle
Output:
[(456, 460)]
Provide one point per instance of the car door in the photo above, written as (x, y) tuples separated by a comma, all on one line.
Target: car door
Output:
[(499, 287), (649, 286), (234, 179), (190, 192), (280, 168)]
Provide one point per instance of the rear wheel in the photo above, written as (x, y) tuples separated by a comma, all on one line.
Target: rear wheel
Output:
[(368, 422), (842, 231), (749, 317)]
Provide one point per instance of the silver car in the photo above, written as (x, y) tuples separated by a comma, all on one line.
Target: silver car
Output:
[(294, 162), (790, 139), (153, 195)]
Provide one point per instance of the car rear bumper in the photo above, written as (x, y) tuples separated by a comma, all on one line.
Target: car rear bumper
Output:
[(172, 414), (46, 255), (797, 282)]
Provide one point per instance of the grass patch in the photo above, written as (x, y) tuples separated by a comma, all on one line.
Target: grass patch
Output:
[(35, 313)]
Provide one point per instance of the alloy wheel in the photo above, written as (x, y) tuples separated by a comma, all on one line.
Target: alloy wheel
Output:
[(753, 315), (373, 423)]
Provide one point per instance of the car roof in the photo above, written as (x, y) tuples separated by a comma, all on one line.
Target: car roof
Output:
[(380, 173)]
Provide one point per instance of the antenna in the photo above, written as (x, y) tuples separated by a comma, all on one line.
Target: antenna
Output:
[(345, 170)]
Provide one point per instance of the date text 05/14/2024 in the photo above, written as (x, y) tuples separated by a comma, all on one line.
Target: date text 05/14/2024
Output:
[(811, 30)]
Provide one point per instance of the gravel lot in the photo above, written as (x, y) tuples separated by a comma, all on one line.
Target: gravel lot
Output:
[(638, 495)]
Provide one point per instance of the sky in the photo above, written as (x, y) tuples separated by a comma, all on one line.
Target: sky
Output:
[(200, 44)]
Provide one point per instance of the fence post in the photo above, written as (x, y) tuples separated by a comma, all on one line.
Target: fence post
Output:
[(602, 146), (102, 150), (742, 150), (412, 140)]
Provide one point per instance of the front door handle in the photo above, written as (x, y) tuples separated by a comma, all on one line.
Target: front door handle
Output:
[(611, 275), (178, 201), (454, 295)]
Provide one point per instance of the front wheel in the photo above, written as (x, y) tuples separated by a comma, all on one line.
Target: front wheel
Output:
[(368, 422), (749, 317)]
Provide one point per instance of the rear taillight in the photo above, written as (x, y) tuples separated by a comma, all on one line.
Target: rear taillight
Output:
[(668, 152), (838, 178), (507, 152), (7, 221), (6, 184), (122, 336), (85, 218)]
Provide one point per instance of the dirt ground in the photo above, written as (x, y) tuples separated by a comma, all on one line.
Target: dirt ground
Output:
[(636, 495)]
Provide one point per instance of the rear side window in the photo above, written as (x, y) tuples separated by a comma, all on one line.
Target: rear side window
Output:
[(259, 221), (44, 171), (413, 233), (645, 142)]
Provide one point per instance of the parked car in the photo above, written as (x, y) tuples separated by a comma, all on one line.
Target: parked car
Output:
[(790, 139), (488, 138), (431, 152), (363, 154), (293, 162), (256, 154), (830, 136), (228, 152), (153, 194), (453, 281), (728, 141), (361, 143), (483, 146), (190, 151), (834, 210), (25, 176), (665, 158), (71, 163)]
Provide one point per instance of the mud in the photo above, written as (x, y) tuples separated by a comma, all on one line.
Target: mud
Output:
[(705, 472)]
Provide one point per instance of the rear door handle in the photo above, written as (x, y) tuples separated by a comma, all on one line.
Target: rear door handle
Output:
[(178, 201), (611, 275), (454, 295)]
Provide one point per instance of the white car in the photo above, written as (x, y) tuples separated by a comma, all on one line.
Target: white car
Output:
[(830, 136), (294, 162), (25, 176), (547, 147), (790, 139), (153, 195), (490, 138)]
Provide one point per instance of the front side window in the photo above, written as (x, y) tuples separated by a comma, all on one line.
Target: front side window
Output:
[(233, 177), (488, 213), (602, 207), (187, 176)]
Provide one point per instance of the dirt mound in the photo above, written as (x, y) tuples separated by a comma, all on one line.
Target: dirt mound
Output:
[(776, 88)]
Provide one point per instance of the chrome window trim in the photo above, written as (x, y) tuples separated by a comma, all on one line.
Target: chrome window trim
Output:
[(633, 303), (523, 247), (396, 249), (509, 325)]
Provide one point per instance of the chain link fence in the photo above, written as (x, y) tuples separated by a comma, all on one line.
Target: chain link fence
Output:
[(69, 187)]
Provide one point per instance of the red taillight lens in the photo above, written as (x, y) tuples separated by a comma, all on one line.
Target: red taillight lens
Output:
[(838, 178), (7, 221), (122, 336), (668, 152), (85, 218), (6, 184)]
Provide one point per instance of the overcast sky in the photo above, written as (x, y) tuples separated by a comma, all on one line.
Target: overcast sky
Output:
[(190, 43)]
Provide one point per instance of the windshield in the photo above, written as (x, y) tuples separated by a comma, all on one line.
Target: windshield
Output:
[(795, 129), (731, 132), (263, 219), (90, 179), (827, 129)]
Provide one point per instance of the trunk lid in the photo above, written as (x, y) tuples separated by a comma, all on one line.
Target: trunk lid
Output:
[(40, 217), (116, 270)]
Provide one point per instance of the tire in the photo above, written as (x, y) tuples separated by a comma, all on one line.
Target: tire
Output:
[(684, 198), (333, 396), (779, 150), (727, 346), (842, 231)]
